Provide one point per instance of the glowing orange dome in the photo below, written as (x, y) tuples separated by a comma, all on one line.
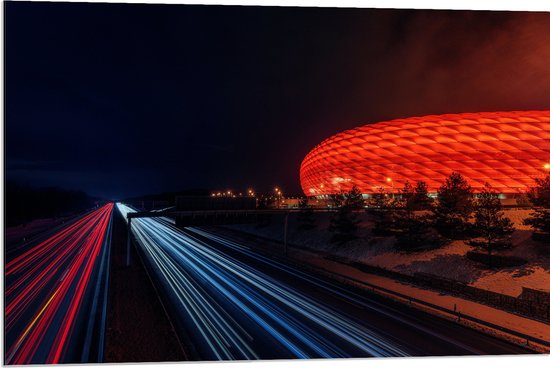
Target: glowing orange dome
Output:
[(506, 149)]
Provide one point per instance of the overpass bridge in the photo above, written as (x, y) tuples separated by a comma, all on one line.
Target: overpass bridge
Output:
[(217, 217)]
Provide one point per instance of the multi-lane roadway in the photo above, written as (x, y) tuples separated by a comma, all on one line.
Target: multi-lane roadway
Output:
[(226, 301), (229, 302), (55, 294)]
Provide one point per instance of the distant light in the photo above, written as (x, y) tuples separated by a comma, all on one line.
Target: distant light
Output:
[(388, 180), (547, 166)]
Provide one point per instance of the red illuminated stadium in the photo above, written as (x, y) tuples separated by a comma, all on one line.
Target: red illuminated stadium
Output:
[(506, 149)]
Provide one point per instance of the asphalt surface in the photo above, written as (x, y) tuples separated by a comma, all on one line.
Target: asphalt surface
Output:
[(55, 293), (230, 302)]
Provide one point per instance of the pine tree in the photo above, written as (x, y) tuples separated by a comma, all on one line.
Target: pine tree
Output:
[(380, 204), (411, 228), (306, 217), (540, 218), (405, 196), (345, 222), (354, 199), (454, 207), (421, 201), (380, 199), (493, 230), (336, 200)]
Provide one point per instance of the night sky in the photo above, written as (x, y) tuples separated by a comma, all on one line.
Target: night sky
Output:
[(121, 100)]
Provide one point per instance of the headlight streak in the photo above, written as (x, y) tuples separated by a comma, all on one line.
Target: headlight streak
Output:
[(45, 288), (329, 319), (243, 306), (212, 326), (333, 289), (304, 327)]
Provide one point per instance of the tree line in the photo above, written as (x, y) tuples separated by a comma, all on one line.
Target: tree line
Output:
[(25, 203), (419, 221)]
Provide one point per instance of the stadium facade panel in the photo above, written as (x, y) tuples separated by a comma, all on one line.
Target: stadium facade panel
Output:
[(506, 149)]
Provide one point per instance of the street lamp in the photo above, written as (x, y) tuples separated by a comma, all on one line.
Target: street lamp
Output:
[(279, 195), (389, 180)]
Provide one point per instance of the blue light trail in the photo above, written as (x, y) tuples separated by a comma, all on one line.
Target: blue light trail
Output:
[(232, 310)]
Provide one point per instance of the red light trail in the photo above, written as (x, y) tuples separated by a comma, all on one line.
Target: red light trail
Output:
[(46, 288)]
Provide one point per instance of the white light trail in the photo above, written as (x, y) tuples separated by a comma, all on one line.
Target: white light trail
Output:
[(236, 310)]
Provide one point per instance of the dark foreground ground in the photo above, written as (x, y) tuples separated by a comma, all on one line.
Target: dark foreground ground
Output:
[(137, 327)]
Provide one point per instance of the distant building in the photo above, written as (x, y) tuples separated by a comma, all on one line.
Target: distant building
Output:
[(290, 203), (506, 149)]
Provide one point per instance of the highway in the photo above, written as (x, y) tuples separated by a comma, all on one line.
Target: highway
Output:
[(229, 302), (55, 294)]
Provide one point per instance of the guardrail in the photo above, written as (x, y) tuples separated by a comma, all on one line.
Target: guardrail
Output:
[(409, 299), (459, 315), (215, 214)]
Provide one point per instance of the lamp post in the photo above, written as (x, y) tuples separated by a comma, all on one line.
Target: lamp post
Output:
[(279, 196), (389, 180)]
